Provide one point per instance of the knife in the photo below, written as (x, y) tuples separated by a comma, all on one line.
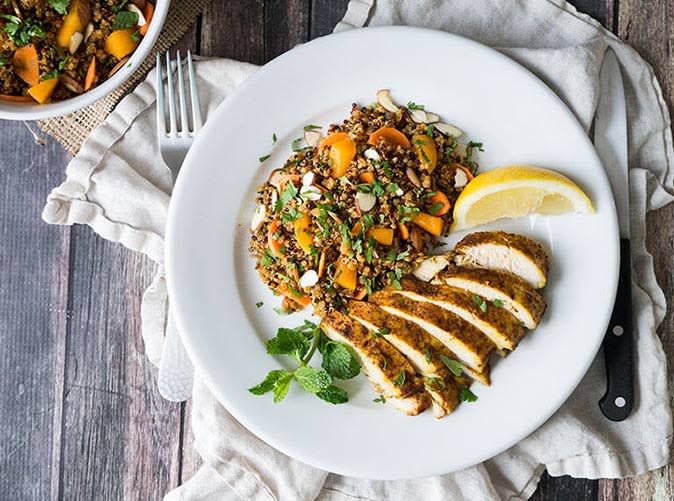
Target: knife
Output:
[(610, 141)]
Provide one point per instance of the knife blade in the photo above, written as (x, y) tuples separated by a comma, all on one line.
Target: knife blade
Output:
[(610, 141)]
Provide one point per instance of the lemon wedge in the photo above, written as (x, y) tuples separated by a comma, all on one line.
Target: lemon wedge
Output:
[(515, 191)]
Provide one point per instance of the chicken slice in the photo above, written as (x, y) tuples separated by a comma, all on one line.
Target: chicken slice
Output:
[(498, 250), (420, 348), (389, 371), (469, 345), (501, 289), (497, 324)]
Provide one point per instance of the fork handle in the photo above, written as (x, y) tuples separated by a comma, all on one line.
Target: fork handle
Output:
[(176, 372)]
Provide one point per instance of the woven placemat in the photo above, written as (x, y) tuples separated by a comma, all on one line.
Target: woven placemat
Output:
[(73, 129)]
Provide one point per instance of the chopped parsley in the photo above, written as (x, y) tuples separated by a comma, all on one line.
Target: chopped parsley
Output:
[(467, 396), (407, 213), (429, 130), (292, 214), (480, 302), (468, 159), (497, 303), (435, 208), (455, 367), (296, 145), (414, 106), (135, 36), (381, 399), (259, 304), (428, 355), (395, 276), (22, 32), (377, 188), (369, 251), (124, 20), (312, 127), (268, 258), (60, 6), (287, 194), (386, 168), (392, 187), (394, 255), (263, 158), (400, 380), (273, 138)]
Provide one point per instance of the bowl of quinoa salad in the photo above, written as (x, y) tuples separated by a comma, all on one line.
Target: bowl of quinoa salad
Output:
[(57, 56), (358, 205)]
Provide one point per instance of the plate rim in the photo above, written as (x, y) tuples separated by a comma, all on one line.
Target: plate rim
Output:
[(181, 322)]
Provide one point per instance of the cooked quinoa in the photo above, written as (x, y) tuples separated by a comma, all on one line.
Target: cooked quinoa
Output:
[(108, 31), (314, 213)]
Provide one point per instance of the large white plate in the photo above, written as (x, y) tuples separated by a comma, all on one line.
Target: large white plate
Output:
[(214, 288)]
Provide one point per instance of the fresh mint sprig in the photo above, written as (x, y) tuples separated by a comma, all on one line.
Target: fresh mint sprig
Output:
[(300, 344)]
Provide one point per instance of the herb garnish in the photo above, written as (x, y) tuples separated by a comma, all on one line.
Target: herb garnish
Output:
[(400, 380), (386, 168), (394, 255), (455, 367), (428, 355), (60, 6), (433, 209), (468, 159), (480, 302), (429, 130), (288, 193), (4, 61), (395, 276), (22, 32), (381, 399), (296, 145), (406, 213), (300, 344), (273, 138), (259, 304), (263, 158), (125, 19), (392, 187), (497, 303), (414, 106), (55, 73), (309, 127), (467, 396)]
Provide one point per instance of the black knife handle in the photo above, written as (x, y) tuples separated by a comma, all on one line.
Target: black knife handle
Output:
[(617, 402)]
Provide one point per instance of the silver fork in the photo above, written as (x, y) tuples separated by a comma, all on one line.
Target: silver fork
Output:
[(176, 131)]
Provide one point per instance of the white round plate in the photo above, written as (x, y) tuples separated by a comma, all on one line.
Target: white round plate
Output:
[(214, 287)]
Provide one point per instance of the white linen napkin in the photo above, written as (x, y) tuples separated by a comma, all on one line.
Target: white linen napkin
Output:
[(117, 186)]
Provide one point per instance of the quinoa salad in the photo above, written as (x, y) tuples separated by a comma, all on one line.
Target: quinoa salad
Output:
[(358, 206), (56, 49)]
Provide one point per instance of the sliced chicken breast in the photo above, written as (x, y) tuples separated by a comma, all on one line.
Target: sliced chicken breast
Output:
[(500, 326), (420, 349), (469, 345), (388, 370), (500, 289), (498, 250)]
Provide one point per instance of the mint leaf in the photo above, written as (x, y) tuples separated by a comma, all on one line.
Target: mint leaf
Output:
[(267, 383), (334, 395), (291, 342), (400, 380), (339, 361), (281, 387), (452, 365), (381, 399), (497, 303), (467, 396), (288, 193), (312, 380)]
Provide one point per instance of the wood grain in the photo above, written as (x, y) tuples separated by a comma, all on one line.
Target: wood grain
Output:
[(33, 310), (81, 416)]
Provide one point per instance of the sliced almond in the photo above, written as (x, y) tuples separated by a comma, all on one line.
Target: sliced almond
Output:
[(275, 178), (313, 137), (460, 179), (75, 41), (399, 192), (372, 154), (448, 130), (88, 31), (321, 264), (412, 176), (430, 267), (365, 201), (334, 216), (118, 66), (71, 84), (311, 192), (141, 18), (274, 197), (308, 279), (308, 178), (385, 101), (432, 118), (258, 218)]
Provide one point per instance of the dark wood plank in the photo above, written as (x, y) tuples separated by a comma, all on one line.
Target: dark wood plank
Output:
[(647, 26), (234, 29), (325, 14), (286, 24), (120, 437), (33, 312), (565, 488)]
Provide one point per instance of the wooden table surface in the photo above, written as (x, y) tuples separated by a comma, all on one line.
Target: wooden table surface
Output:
[(80, 415)]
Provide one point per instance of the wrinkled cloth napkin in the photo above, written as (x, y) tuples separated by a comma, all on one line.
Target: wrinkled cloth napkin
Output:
[(117, 186)]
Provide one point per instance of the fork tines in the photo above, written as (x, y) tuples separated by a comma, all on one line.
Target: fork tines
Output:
[(176, 123)]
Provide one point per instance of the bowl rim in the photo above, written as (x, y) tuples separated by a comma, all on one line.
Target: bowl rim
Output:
[(36, 111)]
